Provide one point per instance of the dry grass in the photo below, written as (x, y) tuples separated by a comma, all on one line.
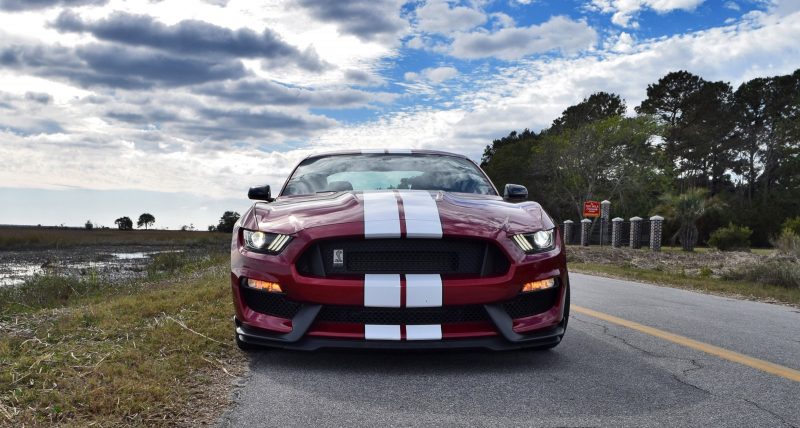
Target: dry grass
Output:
[(161, 355), (770, 277), (28, 238), (56, 290)]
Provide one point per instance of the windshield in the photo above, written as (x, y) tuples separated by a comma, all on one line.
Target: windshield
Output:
[(338, 173)]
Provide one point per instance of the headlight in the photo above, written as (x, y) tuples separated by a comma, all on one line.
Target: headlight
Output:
[(262, 242), (536, 242)]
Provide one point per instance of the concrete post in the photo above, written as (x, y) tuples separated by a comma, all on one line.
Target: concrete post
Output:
[(605, 214), (616, 232), (636, 233), (656, 223), (586, 225), (568, 231)]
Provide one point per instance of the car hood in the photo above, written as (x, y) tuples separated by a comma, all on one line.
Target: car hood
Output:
[(458, 212)]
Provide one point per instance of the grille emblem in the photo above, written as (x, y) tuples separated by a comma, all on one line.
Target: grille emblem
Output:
[(338, 257)]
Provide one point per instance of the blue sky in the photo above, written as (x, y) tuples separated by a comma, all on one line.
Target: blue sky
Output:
[(176, 107)]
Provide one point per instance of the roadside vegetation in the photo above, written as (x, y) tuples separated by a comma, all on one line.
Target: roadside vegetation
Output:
[(771, 276), (703, 154), (30, 238), (157, 351)]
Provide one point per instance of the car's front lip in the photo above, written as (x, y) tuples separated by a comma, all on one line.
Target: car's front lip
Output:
[(298, 340)]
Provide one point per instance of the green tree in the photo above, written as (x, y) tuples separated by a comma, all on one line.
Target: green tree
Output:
[(228, 221), (598, 106), (698, 127), (610, 158), (686, 210), (124, 223), (145, 220)]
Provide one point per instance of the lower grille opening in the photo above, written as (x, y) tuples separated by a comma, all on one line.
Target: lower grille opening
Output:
[(532, 303), (524, 305), (407, 316), (274, 304)]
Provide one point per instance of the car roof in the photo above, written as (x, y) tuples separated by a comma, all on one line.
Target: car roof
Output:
[(385, 151)]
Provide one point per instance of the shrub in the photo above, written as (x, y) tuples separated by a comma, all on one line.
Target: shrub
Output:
[(731, 238), (44, 291), (792, 224), (170, 261), (788, 242), (778, 271)]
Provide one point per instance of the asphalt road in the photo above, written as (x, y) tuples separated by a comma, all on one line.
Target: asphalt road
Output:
[(602, 374)]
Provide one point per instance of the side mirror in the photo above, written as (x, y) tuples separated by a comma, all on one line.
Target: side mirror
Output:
[(260, 193), (515, 193)]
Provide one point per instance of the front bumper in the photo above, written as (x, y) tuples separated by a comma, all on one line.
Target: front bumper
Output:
[(312, 323), (309, 328)]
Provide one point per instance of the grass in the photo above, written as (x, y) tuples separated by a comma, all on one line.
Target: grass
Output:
[(55, 290), (27, 238), (704, 283), (158, 353), (678, 249)]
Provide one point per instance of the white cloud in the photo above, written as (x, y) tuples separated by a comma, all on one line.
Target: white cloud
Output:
[(157, 154), (433, 75), (625, 10), (502, 20), (533, 93), (558, 33), (439, 74), (411, 76), (732, 5), (438, 16), (624, 43)]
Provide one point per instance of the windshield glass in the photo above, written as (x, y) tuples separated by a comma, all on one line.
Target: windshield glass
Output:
[(338, 173)]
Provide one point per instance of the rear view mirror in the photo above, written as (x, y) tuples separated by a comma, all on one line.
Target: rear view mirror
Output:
[(260, 193), (515, 193)]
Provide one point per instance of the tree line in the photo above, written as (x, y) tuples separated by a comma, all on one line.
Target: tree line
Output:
[(692, 144), (145, 220), (226, 222)]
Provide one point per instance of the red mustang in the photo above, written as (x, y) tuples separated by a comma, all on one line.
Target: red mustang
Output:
[(397, 249)]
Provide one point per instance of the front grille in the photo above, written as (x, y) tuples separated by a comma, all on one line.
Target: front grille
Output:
[(274, 304), (397, 261), (407, 316), (437, 256), (532, 303)]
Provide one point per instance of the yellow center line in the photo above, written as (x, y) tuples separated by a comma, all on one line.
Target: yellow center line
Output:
[(765, 366)]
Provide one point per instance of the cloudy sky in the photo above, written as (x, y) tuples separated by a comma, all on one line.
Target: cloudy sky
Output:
[(176, 107)]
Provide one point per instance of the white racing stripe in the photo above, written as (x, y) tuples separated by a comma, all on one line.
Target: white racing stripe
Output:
[(381, 332), (423, 290), (422, 214), (381, 215), (382, 290), (424, 332)]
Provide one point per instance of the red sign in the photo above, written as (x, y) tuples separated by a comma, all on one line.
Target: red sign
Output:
[(591, 209)]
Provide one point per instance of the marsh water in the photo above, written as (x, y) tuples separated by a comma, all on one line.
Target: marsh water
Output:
[(113, 263)]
